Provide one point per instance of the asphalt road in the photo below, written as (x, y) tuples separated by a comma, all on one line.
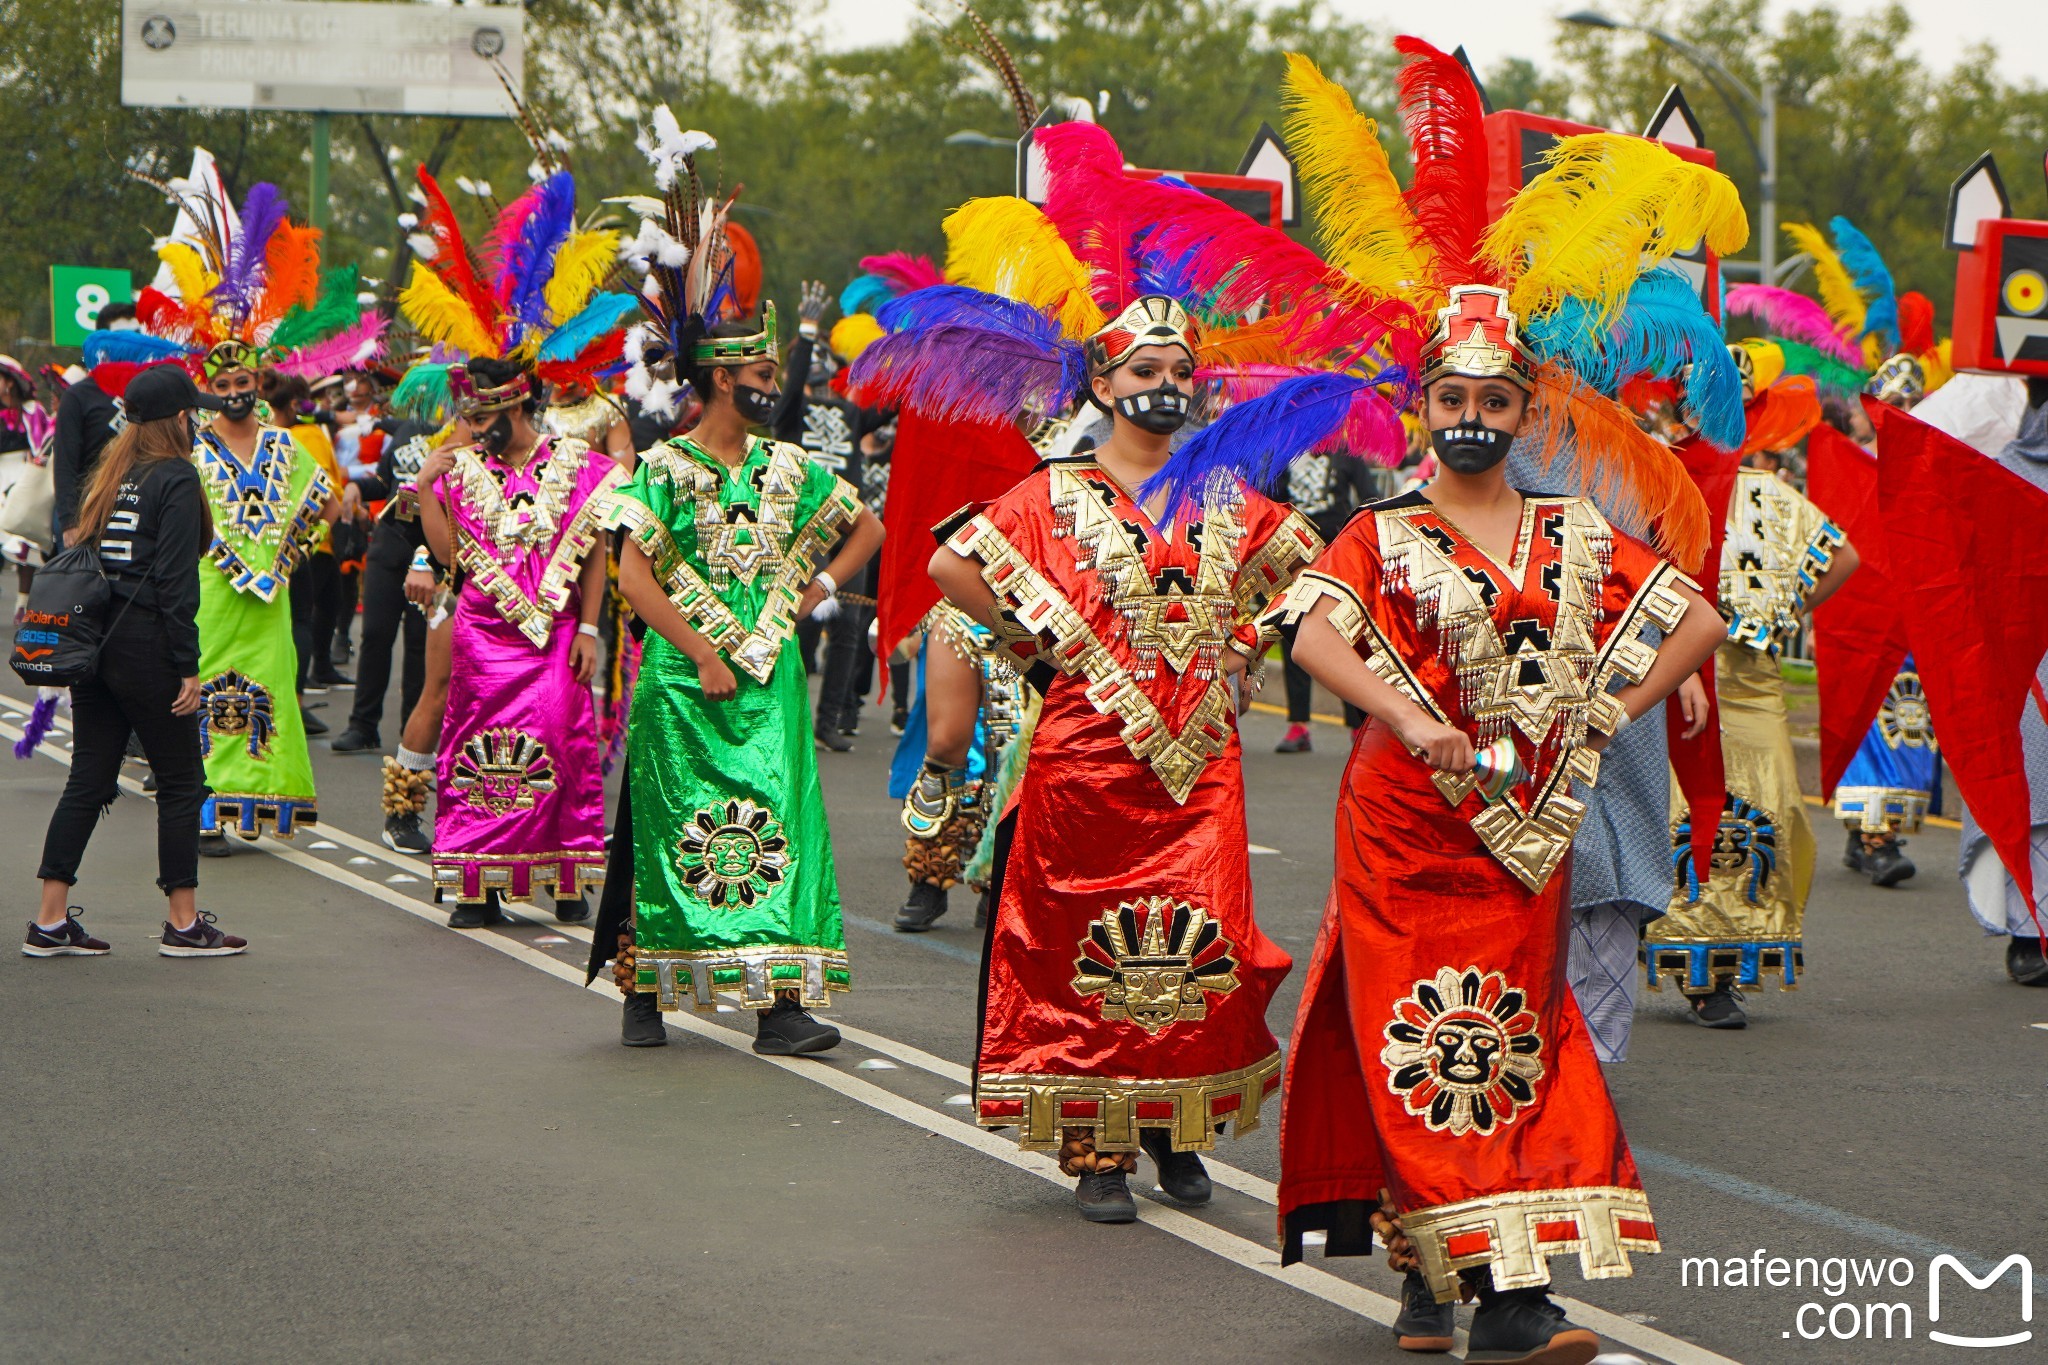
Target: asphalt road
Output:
[(372, 1138)]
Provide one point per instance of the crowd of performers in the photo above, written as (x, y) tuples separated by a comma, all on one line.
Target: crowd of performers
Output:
[(1488, 473)]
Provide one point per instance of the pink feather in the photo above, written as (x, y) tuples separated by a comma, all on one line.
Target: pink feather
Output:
[(903, 271), (1793, 317), (353, 349)]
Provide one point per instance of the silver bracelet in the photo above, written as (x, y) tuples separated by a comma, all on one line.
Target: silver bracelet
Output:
[(585, 628)]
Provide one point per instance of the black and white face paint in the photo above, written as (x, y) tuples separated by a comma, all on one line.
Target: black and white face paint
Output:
[(755, 405), (496, 438), (1470, 447), (1161, 411), (237, 406)]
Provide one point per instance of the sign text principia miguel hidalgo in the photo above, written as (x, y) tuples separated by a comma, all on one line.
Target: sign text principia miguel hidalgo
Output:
[(320, 57)]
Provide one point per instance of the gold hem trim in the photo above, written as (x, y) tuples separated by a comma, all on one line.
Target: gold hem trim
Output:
[(1885, 809), (1116, 1123), (1515, 1252), (659, 968)]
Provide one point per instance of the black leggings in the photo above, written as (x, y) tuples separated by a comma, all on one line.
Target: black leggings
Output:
[(316, 604), (131, 692), (386, 614)]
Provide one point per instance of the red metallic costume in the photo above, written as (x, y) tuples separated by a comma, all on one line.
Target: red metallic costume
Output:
[(1439, 1055), (1126, 983)]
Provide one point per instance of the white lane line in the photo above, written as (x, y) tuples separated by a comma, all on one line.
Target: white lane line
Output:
[(1240, 1251)]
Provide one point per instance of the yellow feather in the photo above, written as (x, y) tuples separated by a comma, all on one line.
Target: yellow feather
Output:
[(1768, 360), (188, 272), (1363, 223), (1838, 291), (1605, 209), (584, 262), (1005, 246), (433, 308), (853, 334), (1939, 364)]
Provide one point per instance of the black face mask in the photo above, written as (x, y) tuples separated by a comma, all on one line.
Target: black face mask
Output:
[(236, 407), (496, 437), (1470, 447), (1161, 411), (755, 405)]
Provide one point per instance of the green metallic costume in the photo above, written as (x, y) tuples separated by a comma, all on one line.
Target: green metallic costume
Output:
[(265, 513), (732, 858)]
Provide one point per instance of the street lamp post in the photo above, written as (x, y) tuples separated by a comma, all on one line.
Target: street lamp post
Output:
[(1723, 80)]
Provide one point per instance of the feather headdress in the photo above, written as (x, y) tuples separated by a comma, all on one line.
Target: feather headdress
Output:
[(1872, 279)]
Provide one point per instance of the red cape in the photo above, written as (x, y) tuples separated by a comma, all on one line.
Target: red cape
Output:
[(935, 469), (1697, 762), (1964, 537), (1859, 640)]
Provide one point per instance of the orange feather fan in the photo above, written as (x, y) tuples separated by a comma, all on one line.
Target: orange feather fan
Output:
[(1636, 475)]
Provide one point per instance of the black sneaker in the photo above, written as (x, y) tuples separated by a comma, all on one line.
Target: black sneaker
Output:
[(476, 914), (828, 737), (1105, 1197), (403, 834), (571, 911), (314, 725), (1886, 865), (922, 910), (214, 845), (149, 781), (1523, 1327), (898, 718), (1852, 857), (643, 1026), (1423, 1324), (2025, 962), (68, 939), (332, 677), (201, 940), (1181, 1174), (354, 741), (1295, 741), (788, 1030), (1722, 1008)]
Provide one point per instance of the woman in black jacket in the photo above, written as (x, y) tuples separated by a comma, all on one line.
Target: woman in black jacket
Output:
[(144, 506)]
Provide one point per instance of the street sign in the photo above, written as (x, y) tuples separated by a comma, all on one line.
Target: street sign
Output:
[(321, 57), (77, 293)]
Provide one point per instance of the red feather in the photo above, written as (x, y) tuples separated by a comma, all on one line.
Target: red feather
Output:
[(1916, 323), (904, 272), (1440, 109), (158, 311), (606, 350), (452, 260)]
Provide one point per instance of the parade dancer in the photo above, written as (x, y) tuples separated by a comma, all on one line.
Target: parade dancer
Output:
[(734, 887), (520, 801), (1442, 1090), (1126, 982)]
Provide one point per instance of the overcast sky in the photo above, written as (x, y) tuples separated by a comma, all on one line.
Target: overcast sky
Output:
[(1495, 29)]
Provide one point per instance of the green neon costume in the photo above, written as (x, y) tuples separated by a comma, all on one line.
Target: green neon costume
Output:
[(732, 859)]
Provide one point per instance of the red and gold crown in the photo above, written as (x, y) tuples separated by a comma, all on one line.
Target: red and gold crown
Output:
[(1150, 320), (1476, 336)]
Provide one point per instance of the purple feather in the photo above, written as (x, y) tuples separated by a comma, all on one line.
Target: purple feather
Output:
[(529, 261), (957, 372), (1255, 441), (39, 722), (242, 277)]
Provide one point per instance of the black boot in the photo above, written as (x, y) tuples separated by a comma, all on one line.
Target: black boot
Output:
[(476, 914), (1181, 1174), (828, 737), (1721, 1008), (315, 727), (354, 741), (571, 911), (1523, 1327), (2025, 962), (922, 910), (1886, 865), (1852, 857), (1423, 1324), (788, 1030), (1105, 1197), (981, 909), (643, 1026)]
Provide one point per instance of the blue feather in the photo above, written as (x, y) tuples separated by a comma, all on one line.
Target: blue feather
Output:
[(133, 348), (956, 305), (603, 313), (865, 295), (529, 262), (1255, 441), (1866, 266)]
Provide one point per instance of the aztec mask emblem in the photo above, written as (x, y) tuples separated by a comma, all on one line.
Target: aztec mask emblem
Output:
[(235, 707), (1746, 843), (503, 770), (732, 852), (1158, 975), (1904, 720), (1463, 1052)]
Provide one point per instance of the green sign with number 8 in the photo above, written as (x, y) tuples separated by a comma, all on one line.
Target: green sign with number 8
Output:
[(77, 293)]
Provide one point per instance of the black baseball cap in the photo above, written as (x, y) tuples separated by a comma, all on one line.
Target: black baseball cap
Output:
[(164, 391)]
